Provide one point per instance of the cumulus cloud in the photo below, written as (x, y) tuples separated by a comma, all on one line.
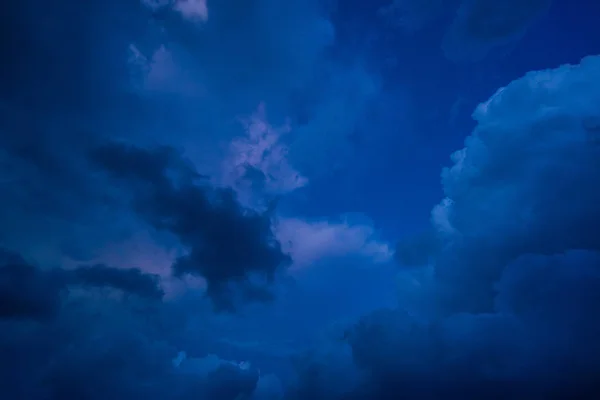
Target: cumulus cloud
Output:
[(528, 170), (481, 25), (510, 275)]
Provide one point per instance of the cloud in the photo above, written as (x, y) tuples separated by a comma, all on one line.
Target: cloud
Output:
[(29, 292), (279, 51), (231, 247), (528, 171), (25, 290), (258, 163), (481, 25), (259, 168), (190, 81), (130, 280), (309, 242), (506, 297)]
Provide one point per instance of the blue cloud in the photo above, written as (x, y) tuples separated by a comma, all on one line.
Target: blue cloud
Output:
[(509, 306)]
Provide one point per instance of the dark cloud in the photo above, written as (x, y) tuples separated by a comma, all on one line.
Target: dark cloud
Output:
[(131, 280), (231, 247), (57, 343), (29, 292), (25, 290), (506, 304)]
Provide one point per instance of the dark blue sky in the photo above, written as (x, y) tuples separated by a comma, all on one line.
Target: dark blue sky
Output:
[(309, 199)]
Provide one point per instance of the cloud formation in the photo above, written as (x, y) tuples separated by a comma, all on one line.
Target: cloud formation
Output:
[(29, 292), (60, 342), (78, 320), (506, 299), (309, 242), (130, 280), (528, 171), (231, 247), (497, 298)]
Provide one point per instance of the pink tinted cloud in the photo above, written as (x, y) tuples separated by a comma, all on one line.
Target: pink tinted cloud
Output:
[(262, 149), (310, 241), (306, 241)]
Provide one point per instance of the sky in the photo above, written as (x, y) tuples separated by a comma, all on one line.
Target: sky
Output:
[(309, 199)]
